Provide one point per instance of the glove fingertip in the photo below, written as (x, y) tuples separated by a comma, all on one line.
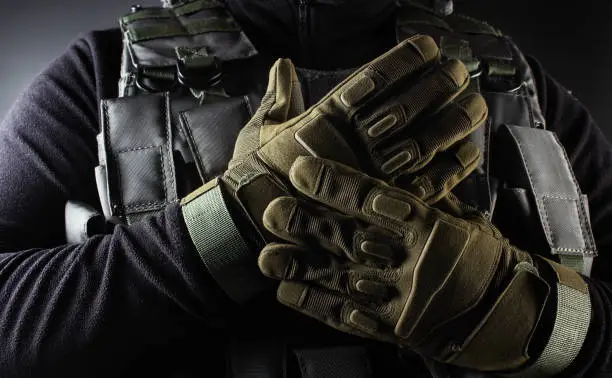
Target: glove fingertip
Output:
[(426, 47), (292, 293), (274, 261), (278, 214), (305, 174)]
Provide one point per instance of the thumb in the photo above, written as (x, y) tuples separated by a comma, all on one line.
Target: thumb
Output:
[(283, 99), (281, 102)]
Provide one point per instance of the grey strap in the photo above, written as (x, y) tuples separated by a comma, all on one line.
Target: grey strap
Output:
[(562, 208), (220, 245), (568, 334)]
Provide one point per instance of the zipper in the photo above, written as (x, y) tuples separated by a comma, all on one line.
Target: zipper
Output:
[(304, 31)]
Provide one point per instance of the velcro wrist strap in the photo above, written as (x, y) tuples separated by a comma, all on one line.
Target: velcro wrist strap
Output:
[(220, 244), (500, 341), (570, 328)]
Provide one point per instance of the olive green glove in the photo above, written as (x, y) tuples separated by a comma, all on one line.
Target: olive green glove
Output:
[(367, 122), (446, 285), (394, 118)]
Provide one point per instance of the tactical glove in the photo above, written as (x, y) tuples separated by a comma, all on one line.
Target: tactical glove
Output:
[(381, 263), (390, 118)]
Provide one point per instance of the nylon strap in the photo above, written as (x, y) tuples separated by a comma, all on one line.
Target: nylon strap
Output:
[(152, 35), (571, 325), (220, 245), (146, 13), (562, 208), (196, 6), (568, 335), (172, 28), (455, 48)]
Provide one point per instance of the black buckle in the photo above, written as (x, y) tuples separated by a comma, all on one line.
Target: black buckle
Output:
[(206, 74), (156, 79)]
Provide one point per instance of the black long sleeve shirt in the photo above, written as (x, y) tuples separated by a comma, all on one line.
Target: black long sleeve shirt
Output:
[(139, 301)]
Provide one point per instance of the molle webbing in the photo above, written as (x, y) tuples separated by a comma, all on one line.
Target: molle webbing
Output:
[(139, 156), (171, 96), (175, 22), (459, 37), (140, 130), (484, 50), (159, 41)]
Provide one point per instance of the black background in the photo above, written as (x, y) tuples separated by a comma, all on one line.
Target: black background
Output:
[(573, 39)]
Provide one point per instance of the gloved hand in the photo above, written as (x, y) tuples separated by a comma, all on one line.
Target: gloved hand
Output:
[(394, 118), (377, 261), (384, 119)]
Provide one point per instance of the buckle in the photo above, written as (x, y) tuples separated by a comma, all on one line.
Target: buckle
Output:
[(156, 79), (202, 73)]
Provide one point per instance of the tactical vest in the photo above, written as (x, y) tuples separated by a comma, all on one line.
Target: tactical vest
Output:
[(190, 79)]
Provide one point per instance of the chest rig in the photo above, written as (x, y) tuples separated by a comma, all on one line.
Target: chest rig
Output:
[(190, 79)]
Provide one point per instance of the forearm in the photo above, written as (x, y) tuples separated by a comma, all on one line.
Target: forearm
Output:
[(66, 311)]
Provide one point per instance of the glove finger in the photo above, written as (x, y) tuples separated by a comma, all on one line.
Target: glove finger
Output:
[(291, 262), (355, 194), (445, 171), (288, 262), (336, 310), (418, 145), (289, 101), (282, 101), (283, 98), (292, 220), (318, 132), (419, 100), (380, 76)]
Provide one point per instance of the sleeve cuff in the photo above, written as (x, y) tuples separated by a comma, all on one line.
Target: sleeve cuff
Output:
[(222, 248)]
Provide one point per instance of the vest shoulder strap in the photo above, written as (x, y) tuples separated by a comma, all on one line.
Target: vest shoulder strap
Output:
[(501, 73)]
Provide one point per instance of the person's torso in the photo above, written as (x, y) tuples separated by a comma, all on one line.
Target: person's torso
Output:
[(191, 79)]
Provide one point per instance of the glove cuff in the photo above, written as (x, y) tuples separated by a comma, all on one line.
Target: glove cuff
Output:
[(571, 322), (220, 244), (501, 340)]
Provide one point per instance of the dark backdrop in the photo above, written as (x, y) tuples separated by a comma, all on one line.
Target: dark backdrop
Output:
[(571, 38)]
